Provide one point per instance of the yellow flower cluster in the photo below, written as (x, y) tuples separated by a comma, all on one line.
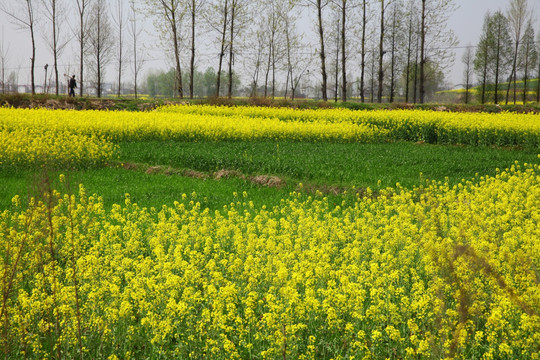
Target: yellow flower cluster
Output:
[(31, 146), (434, 272), (130, 126), (411, 125)]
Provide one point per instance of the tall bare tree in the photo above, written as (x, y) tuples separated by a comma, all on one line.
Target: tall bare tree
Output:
[(344, 7), (218, 19), (169, 17), (381, 50), (83, 8), (412, 36), (396, 43), (100, 40), (319, 6), (518, 14), (22, 15), (258, 44), (423, 52), (295, 62), (467, 59), (138, 56), (238, 13), (4, 51), (528, 56), (501, 51), (54, 11), (416, 65), (336, 62), (363, 51), (436, 41), (119, 20), (195, 7), (482, 56), (272, 26), (372, 69)]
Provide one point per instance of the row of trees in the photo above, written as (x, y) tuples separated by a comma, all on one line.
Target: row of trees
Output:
[(264, 35), (101, 35), (267, 34), (380, 49), (506, 51)]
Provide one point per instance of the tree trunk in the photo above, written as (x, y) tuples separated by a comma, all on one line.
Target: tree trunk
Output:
[(336, 85), (177, 57), (82, 35), (135, 64), (273, 53), (513, 74), (526, 74), (98, 53), (538, 83), (343, 49), (363, 52), (467, 75), (381, 55), (409, 51), (231, 53), (393, 61), (415, 84), (289, 63), (268, 65), (120, 54), (484, 75), (422, 54), (55, 46), (192, 62), (372, 92), (33, 59), (497, 63), (467, 87), (222, 52), (322, 53)]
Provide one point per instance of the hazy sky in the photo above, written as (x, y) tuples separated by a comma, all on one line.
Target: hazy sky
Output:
[(466, 23)]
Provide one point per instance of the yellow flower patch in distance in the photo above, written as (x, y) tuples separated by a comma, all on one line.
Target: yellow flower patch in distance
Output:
[(132, 126), (503, 129), (203, 122)]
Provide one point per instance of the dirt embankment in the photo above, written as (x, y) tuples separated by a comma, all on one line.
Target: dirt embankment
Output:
[(131, 104), (77, 103)]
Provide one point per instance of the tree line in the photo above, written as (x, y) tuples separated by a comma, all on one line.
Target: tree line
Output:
[(507, 50), (377, 50)]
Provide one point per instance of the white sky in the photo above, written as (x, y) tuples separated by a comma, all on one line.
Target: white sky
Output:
[(466, 22)]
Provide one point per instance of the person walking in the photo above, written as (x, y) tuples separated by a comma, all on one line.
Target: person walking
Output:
[(72, 84)]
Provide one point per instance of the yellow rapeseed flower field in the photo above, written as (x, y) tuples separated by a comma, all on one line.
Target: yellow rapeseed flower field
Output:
[(212, 123), (130, 126), (433, 272), (502, 129), (35, 146), (437, 271)]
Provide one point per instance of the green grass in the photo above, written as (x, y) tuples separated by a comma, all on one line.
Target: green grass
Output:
[(319, 166), (148, 190), (361, 165), (155, 190)]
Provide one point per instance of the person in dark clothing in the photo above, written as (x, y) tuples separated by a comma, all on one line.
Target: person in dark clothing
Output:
[(72, 84)]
